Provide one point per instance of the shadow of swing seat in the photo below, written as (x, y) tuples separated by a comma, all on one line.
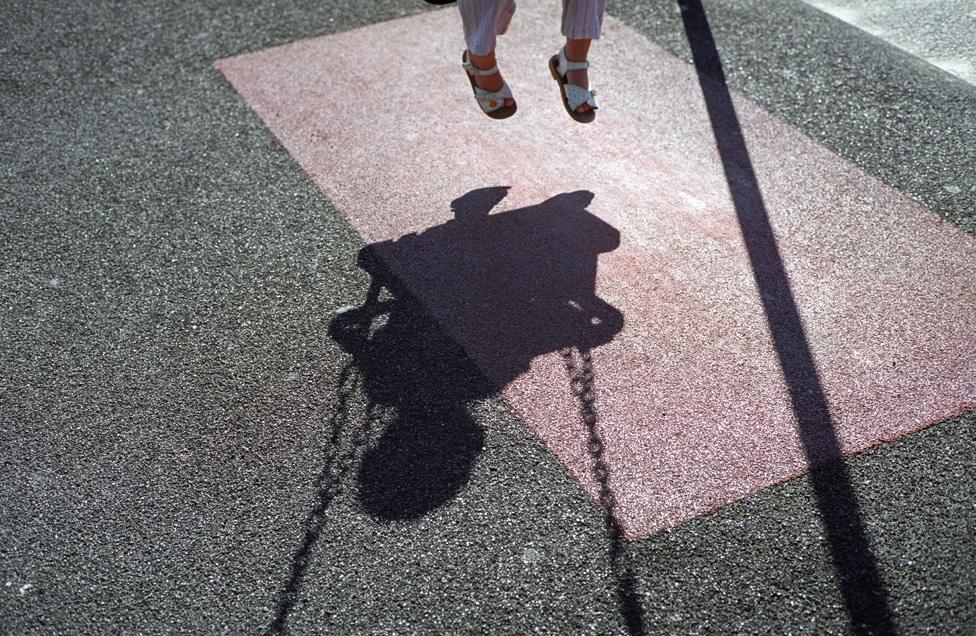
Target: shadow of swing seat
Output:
[(508, 287)]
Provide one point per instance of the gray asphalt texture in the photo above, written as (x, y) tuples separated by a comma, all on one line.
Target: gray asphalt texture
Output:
[(938, 32), (183, 435)]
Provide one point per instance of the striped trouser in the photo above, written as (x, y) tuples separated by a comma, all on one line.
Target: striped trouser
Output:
[(485, 19)]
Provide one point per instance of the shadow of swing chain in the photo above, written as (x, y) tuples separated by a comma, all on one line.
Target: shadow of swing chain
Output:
[(581, 382), (536, 262), (328, 485)]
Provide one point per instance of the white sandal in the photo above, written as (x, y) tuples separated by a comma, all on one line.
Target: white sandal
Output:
[(491, 102), (573, 95)]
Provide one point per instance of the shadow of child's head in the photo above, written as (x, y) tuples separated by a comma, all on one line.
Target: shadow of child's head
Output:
[(477, 203)]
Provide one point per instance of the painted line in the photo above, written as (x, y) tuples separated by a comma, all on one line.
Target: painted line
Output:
[(941, 33), (620, 239)]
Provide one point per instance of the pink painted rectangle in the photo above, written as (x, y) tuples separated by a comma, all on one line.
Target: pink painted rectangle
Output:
[(534, 236)]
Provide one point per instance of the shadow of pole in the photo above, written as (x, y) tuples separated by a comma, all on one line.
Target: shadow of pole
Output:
[(860, 582), (581, 383)]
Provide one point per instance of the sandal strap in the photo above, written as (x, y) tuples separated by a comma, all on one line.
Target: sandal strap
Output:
[(474, 70), (577, 96), (485, 98), (565, 64)]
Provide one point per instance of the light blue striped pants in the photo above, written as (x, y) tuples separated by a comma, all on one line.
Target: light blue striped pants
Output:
[(483, 20)]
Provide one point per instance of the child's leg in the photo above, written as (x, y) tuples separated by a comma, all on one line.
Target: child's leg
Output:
[(483, 20), (582, 20)]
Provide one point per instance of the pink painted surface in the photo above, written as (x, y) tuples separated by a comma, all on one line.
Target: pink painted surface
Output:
[(621, 237)]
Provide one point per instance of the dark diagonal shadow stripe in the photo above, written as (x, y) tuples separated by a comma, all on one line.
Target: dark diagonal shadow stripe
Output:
[(860, 582)]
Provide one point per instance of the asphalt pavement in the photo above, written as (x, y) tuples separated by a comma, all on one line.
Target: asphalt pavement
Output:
[(192, 419)]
